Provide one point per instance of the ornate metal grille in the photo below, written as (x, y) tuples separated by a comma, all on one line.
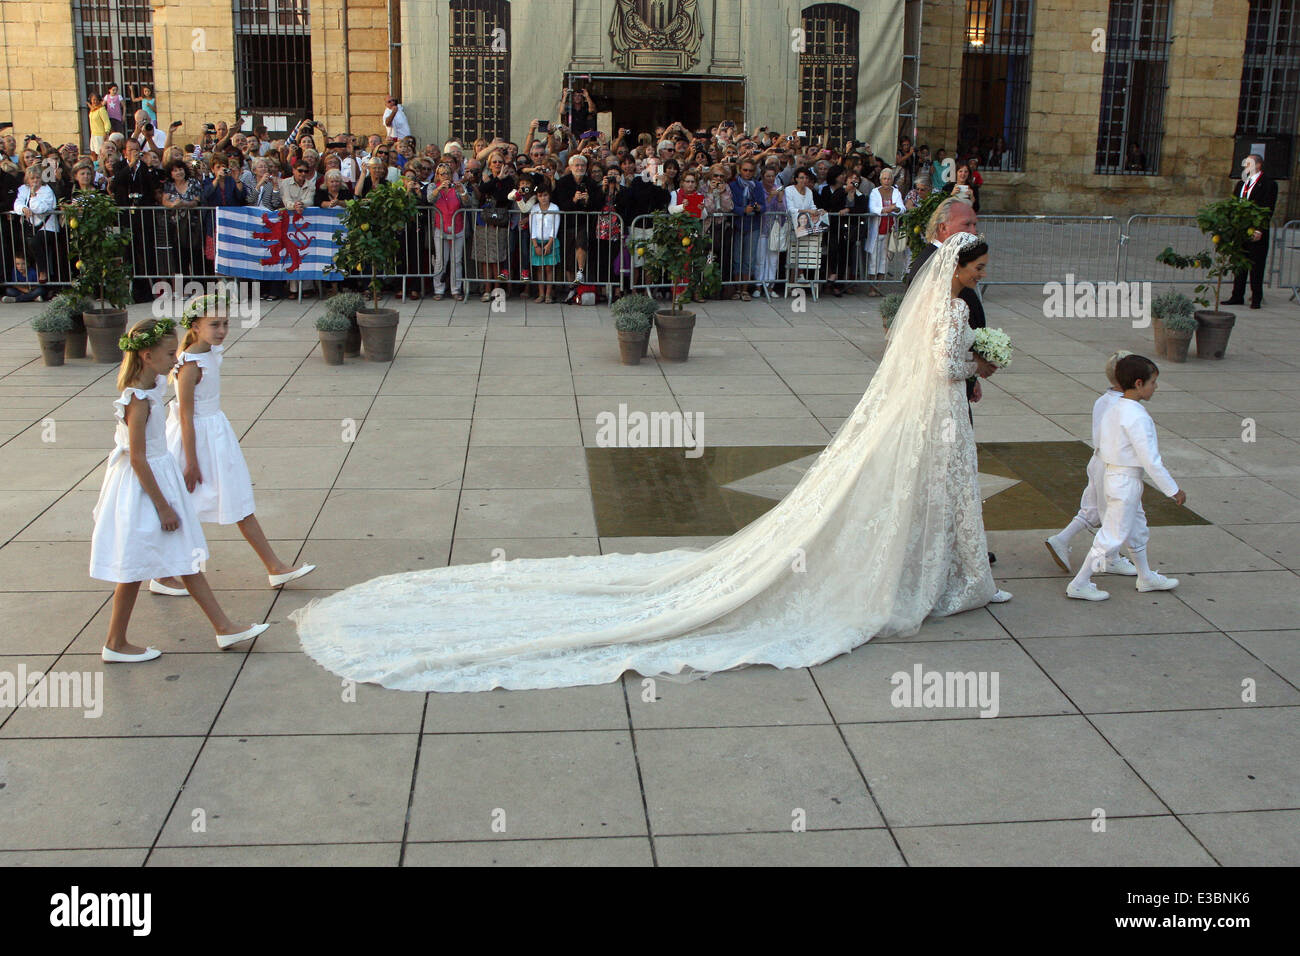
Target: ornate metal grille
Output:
[(273, 56), (828, 73), (1136, 76), (480, 69), (1270, 75), (114, 45), (995, 82)]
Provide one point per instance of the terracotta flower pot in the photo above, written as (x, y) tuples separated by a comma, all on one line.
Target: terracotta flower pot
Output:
[(76, 347), (675, 330), (1158, 331), (1212, 332), (632, 346), (104, 327), (52, 346), (332, 346), (353, 344), (378, 333), (1176, 344)]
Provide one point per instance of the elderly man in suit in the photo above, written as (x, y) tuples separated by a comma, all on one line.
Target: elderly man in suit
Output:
[(1262, 191)]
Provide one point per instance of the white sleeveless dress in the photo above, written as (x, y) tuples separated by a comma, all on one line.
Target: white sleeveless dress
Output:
[(225, 495), (128, 543)]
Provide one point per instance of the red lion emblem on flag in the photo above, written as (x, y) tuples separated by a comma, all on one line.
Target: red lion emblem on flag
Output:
[(285, 239)]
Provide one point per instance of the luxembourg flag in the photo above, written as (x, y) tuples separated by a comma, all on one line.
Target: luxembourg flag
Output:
[(256, 243)]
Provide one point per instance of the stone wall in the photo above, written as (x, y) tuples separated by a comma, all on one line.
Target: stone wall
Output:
[(1200, 114), (350, 77), (40, 80), (193, 65)]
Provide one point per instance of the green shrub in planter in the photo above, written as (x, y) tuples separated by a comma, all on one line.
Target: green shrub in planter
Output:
[(633, 322), (1180, 322), (889, 307), (1171, 303), (330, 322), (637, 303), (1229, 225), (55, 317), (345, 304)]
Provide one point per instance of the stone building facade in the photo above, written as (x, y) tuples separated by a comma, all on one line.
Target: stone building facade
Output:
[(471, 67)]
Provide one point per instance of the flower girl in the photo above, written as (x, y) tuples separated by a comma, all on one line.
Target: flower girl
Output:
[(145, 525), (200, 437)]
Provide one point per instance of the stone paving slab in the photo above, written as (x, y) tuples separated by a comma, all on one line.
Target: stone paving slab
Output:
[(471, 446)]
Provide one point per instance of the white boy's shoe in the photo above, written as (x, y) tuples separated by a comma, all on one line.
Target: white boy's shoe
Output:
[(226, 640), (1060, 552), (157, 588), (1157, 582), (1000, 597), (1121, 565), (117, 657), (1089, 593), (278, 579)]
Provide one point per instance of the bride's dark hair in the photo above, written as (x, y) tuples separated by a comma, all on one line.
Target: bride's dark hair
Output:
[(968, 254)]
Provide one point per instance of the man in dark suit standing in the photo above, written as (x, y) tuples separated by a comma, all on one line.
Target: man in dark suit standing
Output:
[(1262, 191), (951, 217), (134, 186)]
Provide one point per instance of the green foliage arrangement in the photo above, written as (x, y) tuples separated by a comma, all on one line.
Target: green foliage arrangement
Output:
[(889, 307), (1230, 225), (1178, 322), (345, 304), (1171, 303), (97, 244), (913, 222), (55, 317), (332, 322), (374, 229), (679, 250)]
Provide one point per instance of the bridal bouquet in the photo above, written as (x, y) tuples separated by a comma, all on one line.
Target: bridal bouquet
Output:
[(994, 346)]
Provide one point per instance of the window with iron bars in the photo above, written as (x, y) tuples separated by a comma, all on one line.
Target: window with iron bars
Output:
[(480, 69), (995, 82), (273, 56), (828, 73), (114, 45), (1270, 74), (1131, 126)]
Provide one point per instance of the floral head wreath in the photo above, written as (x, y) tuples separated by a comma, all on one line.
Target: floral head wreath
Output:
[(147, 338), (199, 306)]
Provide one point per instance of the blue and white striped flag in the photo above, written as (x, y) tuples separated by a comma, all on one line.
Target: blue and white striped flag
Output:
[(256, 243)]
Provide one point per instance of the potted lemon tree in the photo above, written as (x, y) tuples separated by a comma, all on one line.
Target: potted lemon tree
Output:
[(103, 277), (374, 228), (1230, 225), (679, 252)]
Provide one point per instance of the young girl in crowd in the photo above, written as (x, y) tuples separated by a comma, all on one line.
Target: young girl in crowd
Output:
[(1094, 496), (145, 525), (544, 231), (200, 437)]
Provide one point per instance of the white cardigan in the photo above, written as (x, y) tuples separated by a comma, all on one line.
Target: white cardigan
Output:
[(795, 204), (42, 202)]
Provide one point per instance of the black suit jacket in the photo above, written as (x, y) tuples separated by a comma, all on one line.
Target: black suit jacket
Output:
[(1264, 194), (968, 296), (135, 186)]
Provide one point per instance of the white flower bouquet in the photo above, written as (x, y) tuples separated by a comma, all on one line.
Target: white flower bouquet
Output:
[(994, 346)]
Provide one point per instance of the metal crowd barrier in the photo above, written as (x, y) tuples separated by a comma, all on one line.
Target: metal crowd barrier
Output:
[(478, 256)]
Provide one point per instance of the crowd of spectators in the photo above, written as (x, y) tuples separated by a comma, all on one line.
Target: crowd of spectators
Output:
[(778, 206)]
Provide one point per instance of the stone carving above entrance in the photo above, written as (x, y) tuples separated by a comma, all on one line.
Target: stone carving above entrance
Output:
[(654, 36)]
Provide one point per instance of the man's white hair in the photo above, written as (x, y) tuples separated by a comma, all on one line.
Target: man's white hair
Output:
[(941, 215)]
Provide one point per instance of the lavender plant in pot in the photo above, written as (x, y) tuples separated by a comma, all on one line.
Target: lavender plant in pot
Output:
[(52, 326)]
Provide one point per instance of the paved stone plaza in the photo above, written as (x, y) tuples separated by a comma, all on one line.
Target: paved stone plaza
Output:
[(480, 436)]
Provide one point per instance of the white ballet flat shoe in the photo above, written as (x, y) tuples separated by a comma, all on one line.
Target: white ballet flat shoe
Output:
[(1000, 597), (226, 640), (1121, 565), (278, 579), (1089, 593), (117, 657), (156, 588), (1157, 582), (1060, 552)]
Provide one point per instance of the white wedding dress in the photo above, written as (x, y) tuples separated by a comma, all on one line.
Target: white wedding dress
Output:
[(884, 530)]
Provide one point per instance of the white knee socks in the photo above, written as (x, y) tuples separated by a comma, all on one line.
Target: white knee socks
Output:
[(1076, 525)]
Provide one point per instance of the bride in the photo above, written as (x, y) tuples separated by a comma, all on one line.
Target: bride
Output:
[(884, 530)]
